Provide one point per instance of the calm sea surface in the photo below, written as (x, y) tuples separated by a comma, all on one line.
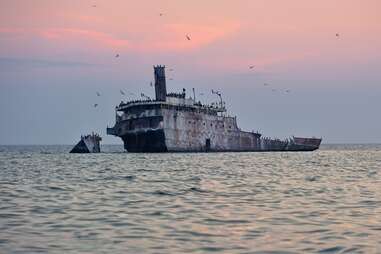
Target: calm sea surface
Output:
[(328, 201)]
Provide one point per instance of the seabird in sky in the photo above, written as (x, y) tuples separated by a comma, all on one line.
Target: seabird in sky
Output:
[(117, 55), (121, 91), (188, 37), (98, 94), (251, 66), (95, 105)]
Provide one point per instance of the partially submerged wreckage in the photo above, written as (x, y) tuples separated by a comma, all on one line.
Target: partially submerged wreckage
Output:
[(88, 144), (174, 123)]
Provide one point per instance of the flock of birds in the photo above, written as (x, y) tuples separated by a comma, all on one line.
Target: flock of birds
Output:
[(188, 37), (201, 94), (121, 92)]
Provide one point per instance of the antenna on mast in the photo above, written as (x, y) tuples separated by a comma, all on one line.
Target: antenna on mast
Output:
[(219, 96), (221, 107)]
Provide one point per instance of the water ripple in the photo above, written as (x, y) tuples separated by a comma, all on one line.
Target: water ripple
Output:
[(322, 202)]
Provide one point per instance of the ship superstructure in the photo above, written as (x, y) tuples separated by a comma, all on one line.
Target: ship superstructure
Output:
[(174, 123)]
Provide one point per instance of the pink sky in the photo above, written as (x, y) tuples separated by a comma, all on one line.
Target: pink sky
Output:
[(60, 51), (226, 35)]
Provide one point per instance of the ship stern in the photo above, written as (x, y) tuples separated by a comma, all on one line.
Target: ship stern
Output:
[(141, 135), (145, 141)]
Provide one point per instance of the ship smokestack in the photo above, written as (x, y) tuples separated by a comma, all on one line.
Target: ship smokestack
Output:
[(160, 83)]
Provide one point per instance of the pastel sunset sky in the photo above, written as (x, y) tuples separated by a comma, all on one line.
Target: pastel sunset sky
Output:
[(320, 59)]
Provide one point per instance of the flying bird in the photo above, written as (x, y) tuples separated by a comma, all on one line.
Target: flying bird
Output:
[(187, 36), (337, 35), (121, 91), (117, 55), (161, 14), (288, 90), (251, 66), (94, 5), (95, 105), (98, 94)]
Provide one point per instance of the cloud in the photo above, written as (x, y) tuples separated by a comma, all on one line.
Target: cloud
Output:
[(80, 34), (165, 38), (8, 63), (10, 32), (172, 37)]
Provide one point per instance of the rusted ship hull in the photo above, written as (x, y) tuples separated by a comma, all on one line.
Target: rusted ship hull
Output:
[(174, 123), (154, 142), (147, 140)]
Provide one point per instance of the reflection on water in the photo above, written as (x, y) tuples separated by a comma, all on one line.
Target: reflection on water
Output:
[(321, 202)]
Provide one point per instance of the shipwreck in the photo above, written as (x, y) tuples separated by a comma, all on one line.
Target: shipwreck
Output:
[(173, 122), (88, 144)]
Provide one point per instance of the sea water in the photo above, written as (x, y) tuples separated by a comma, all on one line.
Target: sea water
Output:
[(327, 201)]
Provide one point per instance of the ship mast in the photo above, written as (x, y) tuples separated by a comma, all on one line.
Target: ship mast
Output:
[(222, 103)]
